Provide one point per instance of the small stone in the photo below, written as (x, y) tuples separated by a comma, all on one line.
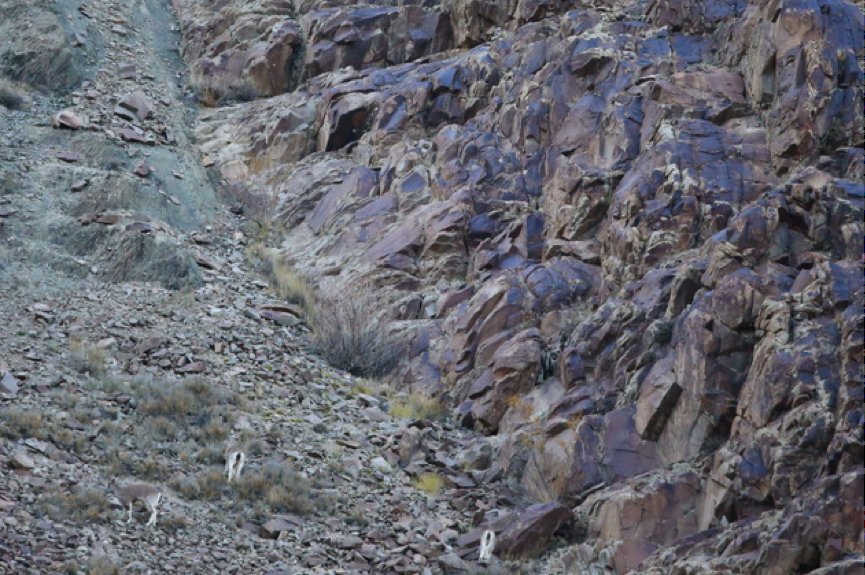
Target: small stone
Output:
[(143, 170), (79, 185), (193, 367), (137, 103), (8, 385), (69, 157), (380, 464), (126, 70), (67, 119)]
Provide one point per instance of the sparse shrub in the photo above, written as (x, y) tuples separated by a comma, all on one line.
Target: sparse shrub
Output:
[(207, 485), (16, 423), (70, 440), (122, 462), (161, 428), (429, 483), (84, 505), (258, 205), (174, 522), (87, 358), (191, 396), (11, 97), (349, 332), (217, 91), (279, 486), (102, 565), (291, 287), (417, 406)]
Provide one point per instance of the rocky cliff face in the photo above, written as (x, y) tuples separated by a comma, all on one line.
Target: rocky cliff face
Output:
[(624, 239)]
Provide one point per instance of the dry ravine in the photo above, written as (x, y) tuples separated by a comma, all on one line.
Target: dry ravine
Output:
[(583, 274)]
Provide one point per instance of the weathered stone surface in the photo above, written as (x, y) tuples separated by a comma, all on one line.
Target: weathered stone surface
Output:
[(240, 49), (530, 532), (658, 396), (138, 104), (20, 460), (620, 238), (8, 385)]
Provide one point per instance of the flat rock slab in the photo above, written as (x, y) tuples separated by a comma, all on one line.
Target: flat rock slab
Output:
[(8, 385), (530, 533)]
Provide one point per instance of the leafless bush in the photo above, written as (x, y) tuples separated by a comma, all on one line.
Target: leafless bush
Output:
[(218, 91), (258, 205), (87, 358), (11, 96), (291, 287), (82, 505), (350, 333), (280, 487)]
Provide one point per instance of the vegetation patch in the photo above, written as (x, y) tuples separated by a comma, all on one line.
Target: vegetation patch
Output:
[(82, 506), (291, 287), (208, 485), (87, 358), (11, 97), (280, 487), (417, 406), (351, 335), (429, 483), (16, 423)]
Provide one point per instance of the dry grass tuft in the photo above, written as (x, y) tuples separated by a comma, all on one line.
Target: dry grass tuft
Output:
[(87, 358), (217, 91), (207, 485), (11, 97), (291, 287), (16, 423), (84, 505), (349, 332), (279, 486), (417, 406), (429, 483)]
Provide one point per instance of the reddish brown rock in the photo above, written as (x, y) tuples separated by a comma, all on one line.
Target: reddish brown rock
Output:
[(530, 532), (641, 229)]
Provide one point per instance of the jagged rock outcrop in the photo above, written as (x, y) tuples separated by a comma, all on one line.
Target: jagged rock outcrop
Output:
[(624, 238)]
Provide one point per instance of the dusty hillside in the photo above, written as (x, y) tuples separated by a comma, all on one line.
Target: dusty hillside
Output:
[(614, 247)]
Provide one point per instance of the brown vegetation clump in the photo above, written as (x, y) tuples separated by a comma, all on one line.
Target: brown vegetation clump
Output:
[(16, 423), (279, 486), (87, 358), (350, 334), (84, 505), (258, 205), (207, 485), (291, 287), (219, 91), (103, 566), (11, 97)]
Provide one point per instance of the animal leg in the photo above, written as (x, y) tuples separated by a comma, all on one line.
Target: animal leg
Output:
[(241, 461)]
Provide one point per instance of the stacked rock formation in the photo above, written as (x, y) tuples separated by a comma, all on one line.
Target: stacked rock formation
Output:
[(624, 238)]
